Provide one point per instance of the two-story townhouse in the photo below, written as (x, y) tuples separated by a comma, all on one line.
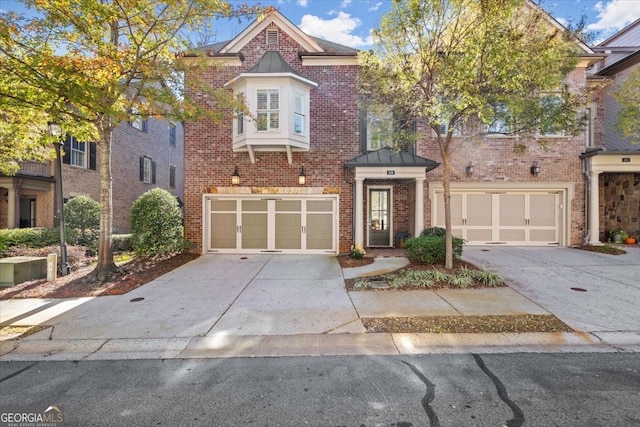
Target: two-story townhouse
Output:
[(305, 173), (147, 153), (611, 162)]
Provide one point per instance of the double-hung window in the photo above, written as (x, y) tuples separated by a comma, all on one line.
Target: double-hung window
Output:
[(78, 153), (299, 113), (147, 170), (268, 110)]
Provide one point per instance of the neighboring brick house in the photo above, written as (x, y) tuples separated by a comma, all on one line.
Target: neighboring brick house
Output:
[(612, 162), (306, 175), (146, 154)]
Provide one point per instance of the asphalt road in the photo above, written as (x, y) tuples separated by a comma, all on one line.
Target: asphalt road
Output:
[(363, 391)]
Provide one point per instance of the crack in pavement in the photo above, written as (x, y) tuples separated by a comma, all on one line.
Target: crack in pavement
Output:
[(518, 415), (428, 396), (18, 372)]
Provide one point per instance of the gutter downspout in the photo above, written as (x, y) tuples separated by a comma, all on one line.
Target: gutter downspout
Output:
[(353, 204), (588, 195)]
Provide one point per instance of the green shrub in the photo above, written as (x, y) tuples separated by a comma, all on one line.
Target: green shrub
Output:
[(29, 237), (460, 281), (433, 232), (121, 243), (488, 278), (356, 254), (82, 213), (156, 224), (438, 276), (362, 283), (411, 278), (431, 249)]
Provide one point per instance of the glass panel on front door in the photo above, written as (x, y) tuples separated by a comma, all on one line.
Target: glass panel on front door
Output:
[(379, 217)]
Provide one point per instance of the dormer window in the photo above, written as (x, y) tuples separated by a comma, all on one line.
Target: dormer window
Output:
[(272, 38)]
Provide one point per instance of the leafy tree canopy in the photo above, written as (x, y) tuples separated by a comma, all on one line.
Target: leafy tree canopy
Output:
[(464, 64), (627, 95), (92, 64), (449, 61)]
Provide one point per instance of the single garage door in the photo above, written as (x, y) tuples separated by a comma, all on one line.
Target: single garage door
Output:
[(509, 217), (271, 224)]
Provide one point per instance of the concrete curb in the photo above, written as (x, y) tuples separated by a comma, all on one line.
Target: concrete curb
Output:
[(226, 346)]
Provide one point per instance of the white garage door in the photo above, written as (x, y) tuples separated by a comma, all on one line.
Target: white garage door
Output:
[(271, 224), (513, 218)]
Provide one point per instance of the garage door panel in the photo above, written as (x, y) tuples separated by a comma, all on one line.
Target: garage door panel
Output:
[(254, 230), (287, 231), (319, 231), (484, 235), (456, 209), (543, 210), (223, 230), (509, 216), (506, 235), (543, 236), (282, 224), (512, 210), (479, 210)]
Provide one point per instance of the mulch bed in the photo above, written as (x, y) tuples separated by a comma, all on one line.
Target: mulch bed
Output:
[(467, 324), (127, 277)]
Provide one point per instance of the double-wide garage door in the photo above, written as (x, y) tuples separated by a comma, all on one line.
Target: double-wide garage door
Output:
[(255, 224), (516, 218)]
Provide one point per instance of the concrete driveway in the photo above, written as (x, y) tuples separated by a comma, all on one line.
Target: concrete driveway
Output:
[(229, 294), (589, 291)]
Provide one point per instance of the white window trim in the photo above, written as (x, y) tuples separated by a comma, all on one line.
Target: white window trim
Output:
[(299, 114), (73, 153), (148, 165), (268, 111)]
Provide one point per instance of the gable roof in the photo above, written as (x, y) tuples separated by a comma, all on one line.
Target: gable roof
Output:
[(275, 17), (390, 157)]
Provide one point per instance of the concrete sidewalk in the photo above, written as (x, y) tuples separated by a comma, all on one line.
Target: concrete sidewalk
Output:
[(274, 305)]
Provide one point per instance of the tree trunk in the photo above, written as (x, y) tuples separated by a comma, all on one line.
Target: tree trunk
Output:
[(105, 254), (446, 184)]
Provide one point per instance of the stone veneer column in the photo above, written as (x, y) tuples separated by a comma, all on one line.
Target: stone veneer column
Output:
[(419, 209), (358, 238), (594, 209)]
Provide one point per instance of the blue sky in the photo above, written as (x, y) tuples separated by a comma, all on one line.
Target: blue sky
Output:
[(349, 22)]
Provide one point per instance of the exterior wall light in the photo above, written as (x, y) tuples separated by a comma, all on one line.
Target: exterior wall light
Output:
[(302, 178), (235, 178), (469, 169), (535, 169)]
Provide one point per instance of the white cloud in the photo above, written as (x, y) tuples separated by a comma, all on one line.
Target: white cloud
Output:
[(614, 15), (375, 7), (339, 29), (345, 3), (303, 3)]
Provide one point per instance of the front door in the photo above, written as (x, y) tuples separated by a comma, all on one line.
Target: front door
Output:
[(379, 217)]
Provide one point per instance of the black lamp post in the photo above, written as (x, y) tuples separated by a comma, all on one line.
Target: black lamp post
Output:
[(56, 130)]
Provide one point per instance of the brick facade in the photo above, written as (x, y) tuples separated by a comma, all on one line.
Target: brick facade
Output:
[(335, 139), (129, 144)]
